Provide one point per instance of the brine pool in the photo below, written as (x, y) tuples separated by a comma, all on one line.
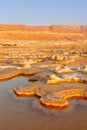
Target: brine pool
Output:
[(26, 113)]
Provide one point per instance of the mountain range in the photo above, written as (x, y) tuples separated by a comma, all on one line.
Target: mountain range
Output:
[(43, 33)]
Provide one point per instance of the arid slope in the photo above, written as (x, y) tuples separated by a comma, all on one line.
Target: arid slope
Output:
[(43, 33)]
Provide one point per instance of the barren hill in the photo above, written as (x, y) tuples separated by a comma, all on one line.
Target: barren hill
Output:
[(47, 33)]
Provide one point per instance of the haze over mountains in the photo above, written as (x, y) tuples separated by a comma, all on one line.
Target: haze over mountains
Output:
[(47, 33)]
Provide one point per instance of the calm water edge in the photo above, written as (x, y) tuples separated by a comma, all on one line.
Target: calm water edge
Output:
[(26, 113)]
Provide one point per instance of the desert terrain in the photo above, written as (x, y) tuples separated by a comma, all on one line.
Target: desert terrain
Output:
[(53, 59), (50, 55)]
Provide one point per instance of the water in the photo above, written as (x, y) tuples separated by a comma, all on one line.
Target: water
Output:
[(27, 114)]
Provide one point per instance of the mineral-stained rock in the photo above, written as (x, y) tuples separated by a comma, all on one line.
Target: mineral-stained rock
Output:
[(35, 78), (30, 71), (60, 98), (63, 69), (55, 79), (8, 66), (85, 68), (9, 73), (55, 96), (36, 105), (43, 75), (26, 91), (26, 64), (29, 89), (60, 58), (29, 62), (44, 89)]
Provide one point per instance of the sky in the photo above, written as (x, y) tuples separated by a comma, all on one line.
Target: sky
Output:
[(43, 12)]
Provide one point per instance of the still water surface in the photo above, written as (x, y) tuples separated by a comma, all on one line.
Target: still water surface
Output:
[(27, 114)]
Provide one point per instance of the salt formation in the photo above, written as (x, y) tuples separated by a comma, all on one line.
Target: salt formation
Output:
[(60, 98), (55, 79), (63, 69)]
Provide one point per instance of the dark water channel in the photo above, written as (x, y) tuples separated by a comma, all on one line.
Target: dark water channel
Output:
[(26, 113)]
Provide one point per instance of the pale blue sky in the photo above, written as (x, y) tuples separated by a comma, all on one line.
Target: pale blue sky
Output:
[(43, 12)]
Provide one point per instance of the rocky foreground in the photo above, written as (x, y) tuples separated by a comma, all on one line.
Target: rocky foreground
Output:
[(53, 58)]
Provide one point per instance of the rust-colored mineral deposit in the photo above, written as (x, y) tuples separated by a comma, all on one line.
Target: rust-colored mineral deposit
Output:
[(60, 98)]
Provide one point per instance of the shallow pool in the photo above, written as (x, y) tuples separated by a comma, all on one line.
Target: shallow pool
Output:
[(19, 113)]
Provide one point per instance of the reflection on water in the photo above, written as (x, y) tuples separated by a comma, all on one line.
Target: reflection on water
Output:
[(27, 113)]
